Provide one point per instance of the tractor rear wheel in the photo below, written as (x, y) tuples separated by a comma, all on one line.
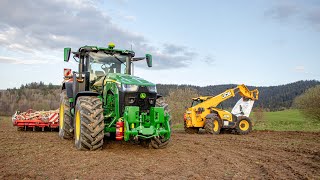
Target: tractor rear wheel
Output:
[(213, 125), (65, 128), (89, 123), (243, 125), (190, 130)]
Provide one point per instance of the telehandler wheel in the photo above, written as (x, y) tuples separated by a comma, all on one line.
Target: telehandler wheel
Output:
[(190, 130), (88, 123), (213, 125), (65, 128), (243, 125)]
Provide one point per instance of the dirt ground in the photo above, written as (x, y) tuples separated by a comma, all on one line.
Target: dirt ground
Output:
[(259, 155)]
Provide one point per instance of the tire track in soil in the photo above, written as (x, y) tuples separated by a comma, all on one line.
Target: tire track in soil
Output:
[(259, 155)]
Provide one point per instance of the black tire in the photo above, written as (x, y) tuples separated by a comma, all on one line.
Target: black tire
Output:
[(190, 130), (243, 125), (146, 143), (160, 142), (88, 123), (161, 103), (213, 124), (65, 120)]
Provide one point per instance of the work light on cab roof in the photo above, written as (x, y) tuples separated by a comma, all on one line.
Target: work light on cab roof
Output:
[(111, 45)]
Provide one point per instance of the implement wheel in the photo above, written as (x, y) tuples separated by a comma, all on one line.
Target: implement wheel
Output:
[(212, 124), (65, 128), (89, 123), (244, 125)]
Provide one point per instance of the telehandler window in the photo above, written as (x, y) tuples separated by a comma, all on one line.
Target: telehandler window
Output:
[(196, 102)]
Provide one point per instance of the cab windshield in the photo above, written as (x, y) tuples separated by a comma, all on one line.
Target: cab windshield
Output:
[(196, 102), (101, 64)]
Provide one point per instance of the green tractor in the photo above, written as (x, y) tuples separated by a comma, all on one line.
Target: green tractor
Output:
[(104, 99)]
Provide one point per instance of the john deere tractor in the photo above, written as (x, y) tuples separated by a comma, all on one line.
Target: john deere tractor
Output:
[(104, 99)]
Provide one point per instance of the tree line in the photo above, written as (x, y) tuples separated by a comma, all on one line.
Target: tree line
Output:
[(271, 98), (40, 96)]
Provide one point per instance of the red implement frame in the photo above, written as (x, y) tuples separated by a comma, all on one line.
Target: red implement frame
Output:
[(34, 119)]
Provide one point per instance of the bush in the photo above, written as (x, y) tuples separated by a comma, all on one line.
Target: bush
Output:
[(309, 103), (178, 100)]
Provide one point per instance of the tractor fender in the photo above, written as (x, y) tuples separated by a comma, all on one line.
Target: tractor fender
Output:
[(68, 87), (86, 93)]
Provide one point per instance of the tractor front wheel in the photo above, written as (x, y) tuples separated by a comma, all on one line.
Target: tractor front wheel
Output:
[(244, 125), (159, 142), (65, 128), (213, 125), (89, 123)]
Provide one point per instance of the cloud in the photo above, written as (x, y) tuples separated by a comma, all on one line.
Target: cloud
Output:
[(130, 18), (283, 11), (209, 59), (42, 27), (314, 18), (303, 70), (294, 10), (11, 60), (173, 49), (300, 69)]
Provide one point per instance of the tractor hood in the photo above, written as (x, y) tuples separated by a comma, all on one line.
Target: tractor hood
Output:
[(128, 79)]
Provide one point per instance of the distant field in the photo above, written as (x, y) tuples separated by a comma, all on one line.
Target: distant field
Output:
[(288, 120)]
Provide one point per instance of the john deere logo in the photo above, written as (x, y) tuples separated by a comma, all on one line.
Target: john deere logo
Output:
[(143, 95)]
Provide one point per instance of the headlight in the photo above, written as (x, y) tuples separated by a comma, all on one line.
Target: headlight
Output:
[(130, 87), (152, 88)]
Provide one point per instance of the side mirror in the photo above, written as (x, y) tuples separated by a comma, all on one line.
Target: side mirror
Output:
[(149, 60), (67, 52)]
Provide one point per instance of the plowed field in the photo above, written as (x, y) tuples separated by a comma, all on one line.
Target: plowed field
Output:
[(259, 155)]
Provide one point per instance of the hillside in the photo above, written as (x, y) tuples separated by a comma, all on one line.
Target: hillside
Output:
[(44, 97), (272, 97)]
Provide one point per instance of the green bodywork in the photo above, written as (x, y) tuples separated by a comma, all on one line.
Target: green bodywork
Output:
[(138, 124)]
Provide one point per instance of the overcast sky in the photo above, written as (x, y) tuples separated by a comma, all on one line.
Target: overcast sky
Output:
[(202, 43)]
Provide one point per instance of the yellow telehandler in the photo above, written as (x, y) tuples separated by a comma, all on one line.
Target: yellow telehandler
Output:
[(205, 114)]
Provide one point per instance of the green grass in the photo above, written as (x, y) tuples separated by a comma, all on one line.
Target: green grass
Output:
[(288, 120)]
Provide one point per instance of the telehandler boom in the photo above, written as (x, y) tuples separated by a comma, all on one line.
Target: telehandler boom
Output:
[(204, 112)]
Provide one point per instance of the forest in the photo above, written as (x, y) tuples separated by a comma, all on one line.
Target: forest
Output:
[(40, 96)]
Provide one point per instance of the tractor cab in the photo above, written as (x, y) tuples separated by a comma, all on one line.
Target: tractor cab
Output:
[(95, 63)]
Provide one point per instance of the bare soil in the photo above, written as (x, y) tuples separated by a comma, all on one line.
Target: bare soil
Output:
[(259, 155)]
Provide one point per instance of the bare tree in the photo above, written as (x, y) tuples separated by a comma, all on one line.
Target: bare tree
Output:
[(309, 103), (179, 99)]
